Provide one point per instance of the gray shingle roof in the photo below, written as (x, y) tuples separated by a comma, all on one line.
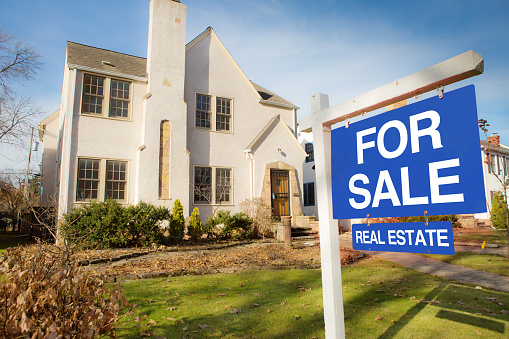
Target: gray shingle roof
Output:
[(93, 57), (269, 96)]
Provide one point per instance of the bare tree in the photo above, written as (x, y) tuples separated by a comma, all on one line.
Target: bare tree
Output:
[(18, 63)]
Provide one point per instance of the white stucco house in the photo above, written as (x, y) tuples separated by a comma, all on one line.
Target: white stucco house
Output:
[(495, 169), (184, 123)]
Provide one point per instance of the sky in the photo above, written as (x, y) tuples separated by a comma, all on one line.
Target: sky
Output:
[(293, 48)]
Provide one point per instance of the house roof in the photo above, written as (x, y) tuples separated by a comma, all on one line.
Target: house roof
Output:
[(269, 97), (267, 129), (105, 60)]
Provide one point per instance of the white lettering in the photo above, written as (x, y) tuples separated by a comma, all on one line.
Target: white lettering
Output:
[(380, 242), (358, 236), (409, 232), (420, 238), (441, 237), (430, 233), (360, 191), (405, 187), (362, 146), (373, 238), (403, 139), (391, 236), (365, 235), (416, 133), (391, 194), (435, 182), (401, 237)]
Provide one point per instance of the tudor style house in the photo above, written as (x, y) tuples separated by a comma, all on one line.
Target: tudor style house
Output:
[(185, 123)]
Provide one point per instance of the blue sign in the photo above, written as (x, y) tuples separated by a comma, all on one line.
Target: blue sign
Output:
[(410, 237), (422, 157)]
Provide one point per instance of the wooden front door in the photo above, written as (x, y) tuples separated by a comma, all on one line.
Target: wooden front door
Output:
[(280, 190)]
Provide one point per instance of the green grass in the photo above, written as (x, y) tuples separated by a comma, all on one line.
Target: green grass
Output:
[(492, 263), (8, 240), (489, 236), (371, 288)]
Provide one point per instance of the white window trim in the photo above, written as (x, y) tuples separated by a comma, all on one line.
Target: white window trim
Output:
[(107, 98), (213, 178), (213, 113), (102, 181)]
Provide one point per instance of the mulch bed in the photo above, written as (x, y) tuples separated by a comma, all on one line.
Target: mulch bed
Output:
[(161, 262)]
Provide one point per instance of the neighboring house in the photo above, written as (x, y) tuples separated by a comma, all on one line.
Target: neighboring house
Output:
[(495, 169), (308, 187), (184, 123)]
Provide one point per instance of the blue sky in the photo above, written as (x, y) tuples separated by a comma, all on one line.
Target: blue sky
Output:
[(293, 48)]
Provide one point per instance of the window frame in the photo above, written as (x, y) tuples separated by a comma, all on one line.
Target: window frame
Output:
[(306, 195), (214, 113), (213, 186), (310, 157), (107, 97), (102, 180)]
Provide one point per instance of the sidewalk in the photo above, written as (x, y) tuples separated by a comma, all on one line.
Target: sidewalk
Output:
[(441, 269)]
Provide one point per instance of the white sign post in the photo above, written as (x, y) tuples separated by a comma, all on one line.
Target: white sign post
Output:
[(458, 68)]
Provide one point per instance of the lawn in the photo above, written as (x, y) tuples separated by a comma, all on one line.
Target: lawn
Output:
[(380, 300), (492, 263), (490, 236), (8, 240)]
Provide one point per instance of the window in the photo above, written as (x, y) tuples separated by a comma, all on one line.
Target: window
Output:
[(119, 102), (105, 97), (88, 179), (308, 147), (309, 194), (213, 113), (101, 179), (203, 111), (93, 89), (212, 185)]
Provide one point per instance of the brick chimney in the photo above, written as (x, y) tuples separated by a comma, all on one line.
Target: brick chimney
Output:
[(494, 140)]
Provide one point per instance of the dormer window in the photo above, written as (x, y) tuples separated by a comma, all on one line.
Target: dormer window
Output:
[(105, 97)]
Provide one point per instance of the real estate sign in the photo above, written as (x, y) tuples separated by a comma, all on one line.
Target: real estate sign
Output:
[(413, 237), (422, 157)]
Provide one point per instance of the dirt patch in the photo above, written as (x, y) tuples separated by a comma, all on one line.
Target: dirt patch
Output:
[(251, 256)]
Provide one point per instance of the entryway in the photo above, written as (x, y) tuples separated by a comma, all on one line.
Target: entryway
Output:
[(280, 192)]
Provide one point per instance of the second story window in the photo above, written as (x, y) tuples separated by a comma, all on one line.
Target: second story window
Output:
[(213, 113), (105, 97), (308, 147), (93, 94), (119, 101)]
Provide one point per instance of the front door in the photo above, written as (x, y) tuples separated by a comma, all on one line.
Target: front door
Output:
[(280, 190)]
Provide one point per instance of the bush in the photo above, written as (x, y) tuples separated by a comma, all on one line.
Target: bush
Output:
[(177, 222), (44, 294), (111, 225), (261, 214), (223, 226), (195, 228), (499, 211), (453, 218)]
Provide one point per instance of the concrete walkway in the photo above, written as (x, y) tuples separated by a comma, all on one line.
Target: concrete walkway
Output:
[(441, 269)]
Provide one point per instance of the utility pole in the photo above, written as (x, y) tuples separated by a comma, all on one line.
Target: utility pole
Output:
[(28, 164)]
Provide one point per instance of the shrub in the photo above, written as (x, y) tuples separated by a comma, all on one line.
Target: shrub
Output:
[(261, 214), (499, 211), (223, 226), (44, 294), (453, 218), (177, 222), (195, 228), (111, 225), (144, 226)]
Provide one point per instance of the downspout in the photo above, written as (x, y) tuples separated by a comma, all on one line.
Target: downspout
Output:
[(249, 156), (295, 122)]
